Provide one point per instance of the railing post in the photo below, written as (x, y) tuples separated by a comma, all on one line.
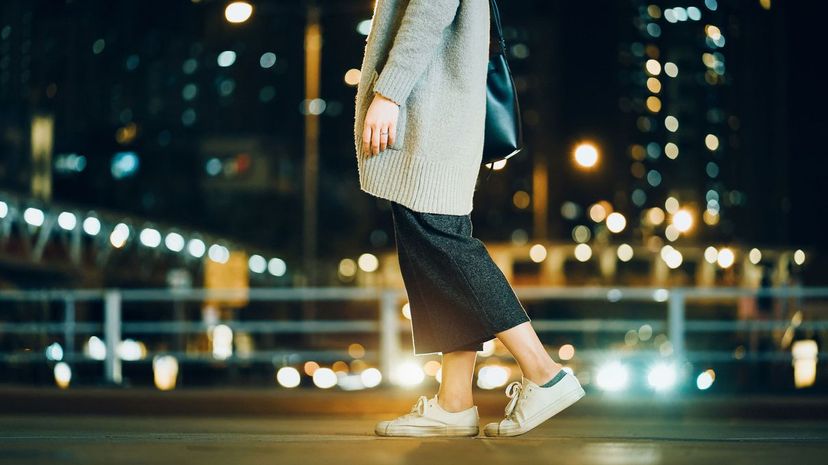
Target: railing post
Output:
[(112, 336), (389, 336), (675, 323), (69, 327)]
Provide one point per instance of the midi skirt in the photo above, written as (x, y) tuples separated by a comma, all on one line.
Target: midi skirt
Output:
[(457, 295)]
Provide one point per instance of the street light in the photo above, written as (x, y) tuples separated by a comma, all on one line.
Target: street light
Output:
[(586, 155), (238, 12)]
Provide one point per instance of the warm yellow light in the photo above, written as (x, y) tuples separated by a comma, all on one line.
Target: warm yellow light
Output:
[(765, 4), (671, 150), (583, 252), (653, 67), (597, 213), (755, 256), (625, 252), (238, 12), (671, 205), (799, 257), (653, 104), (368, 262), (653, 85), (726, 257), (352, 76), (537, 253), (711, 218), (711, 254), (655, 216), (711, 141), (586, 155), (616, 222), (521, 199), (683, 220), (566, 352)]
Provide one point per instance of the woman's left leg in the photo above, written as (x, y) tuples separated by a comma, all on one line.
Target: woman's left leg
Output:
[(455, 393)]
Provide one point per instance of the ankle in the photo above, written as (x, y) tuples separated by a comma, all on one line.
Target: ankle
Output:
[(544, 373), (454, 404)]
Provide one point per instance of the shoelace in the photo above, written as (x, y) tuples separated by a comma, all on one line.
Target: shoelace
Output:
[(513, 391), (420, 407)]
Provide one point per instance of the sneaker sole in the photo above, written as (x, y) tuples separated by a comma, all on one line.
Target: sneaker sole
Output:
[(553, 409), (428, 431)]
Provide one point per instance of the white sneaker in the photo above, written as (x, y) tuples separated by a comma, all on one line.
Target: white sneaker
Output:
[(427, 418), (531, 405)]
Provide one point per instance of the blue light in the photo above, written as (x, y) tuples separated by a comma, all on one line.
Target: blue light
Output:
[(124, 164)]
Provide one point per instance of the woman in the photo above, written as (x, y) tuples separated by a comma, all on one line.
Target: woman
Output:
[(418, 133)]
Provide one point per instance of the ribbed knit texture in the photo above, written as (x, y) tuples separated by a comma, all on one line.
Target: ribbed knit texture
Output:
[(431, 58)]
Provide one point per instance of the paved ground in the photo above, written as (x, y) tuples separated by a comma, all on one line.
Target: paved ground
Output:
[(343, 439)]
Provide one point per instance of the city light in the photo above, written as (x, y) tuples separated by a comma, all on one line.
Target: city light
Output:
[(492, 376), (408, 374), (537, 253), (368, 262), (613, 376), (91, 226), (804, 354), (799, 257), (586, 155), (725, 257), (119, 235), (196, 248), (257, 264), (583, 252), (67, 221), (95, 348), (755, 256), (705, 379), (150, 237), (616, 222), (63, 374), (164, 372), (371, 377), (566, 352), (238, 12), (683, 220), (662, 376), (222, 339), (324, 378), (625, 252), (174, 242), (54, 352), (671, 256), (34, 216), (288, 377), (276, 267)]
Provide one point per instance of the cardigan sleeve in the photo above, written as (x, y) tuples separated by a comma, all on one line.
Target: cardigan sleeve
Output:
[(415, 44)]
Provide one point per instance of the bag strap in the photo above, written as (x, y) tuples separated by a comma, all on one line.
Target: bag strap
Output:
[(495, 13)]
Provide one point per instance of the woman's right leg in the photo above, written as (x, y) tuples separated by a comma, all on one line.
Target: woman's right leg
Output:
[(457, 373), (535, 363)]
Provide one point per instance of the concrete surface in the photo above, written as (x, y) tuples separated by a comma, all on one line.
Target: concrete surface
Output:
[(315, 439)]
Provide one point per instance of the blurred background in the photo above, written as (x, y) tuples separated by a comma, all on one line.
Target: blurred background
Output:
[(179, 201)]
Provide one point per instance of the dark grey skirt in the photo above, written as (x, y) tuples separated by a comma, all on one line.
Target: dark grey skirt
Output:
[(459, 298)]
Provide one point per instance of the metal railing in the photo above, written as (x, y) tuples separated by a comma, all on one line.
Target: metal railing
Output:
[(388, 323)]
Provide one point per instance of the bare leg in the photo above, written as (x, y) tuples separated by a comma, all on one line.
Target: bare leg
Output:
[(535, 363), (455, 393)]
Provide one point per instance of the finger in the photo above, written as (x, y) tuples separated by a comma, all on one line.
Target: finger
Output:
[(392, 133), (366, 139), (384, 138), (375, 139)]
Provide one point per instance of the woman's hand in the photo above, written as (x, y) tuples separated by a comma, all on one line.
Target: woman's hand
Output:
[(380, 127)]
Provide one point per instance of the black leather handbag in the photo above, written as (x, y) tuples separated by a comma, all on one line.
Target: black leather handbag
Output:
[(504, 131)]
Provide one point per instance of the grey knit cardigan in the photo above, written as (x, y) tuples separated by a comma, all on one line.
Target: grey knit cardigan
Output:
[(431, 58)]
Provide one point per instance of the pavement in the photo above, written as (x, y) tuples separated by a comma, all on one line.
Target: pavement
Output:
[(257, 427)]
